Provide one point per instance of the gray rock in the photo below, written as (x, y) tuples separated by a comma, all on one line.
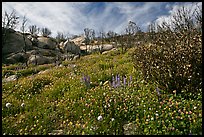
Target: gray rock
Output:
[(46, 43), (11, 78), (106, 52), (16, 58), (43, 72), (69, 46), (15, 43), (76, 57), (39, 60)]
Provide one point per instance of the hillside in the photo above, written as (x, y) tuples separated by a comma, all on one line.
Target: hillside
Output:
[(96, 94)]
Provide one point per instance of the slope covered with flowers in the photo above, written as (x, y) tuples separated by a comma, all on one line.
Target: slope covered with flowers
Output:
[(97, 94)]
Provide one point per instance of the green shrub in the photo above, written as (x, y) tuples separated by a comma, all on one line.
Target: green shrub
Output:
[(37, 84), (172, 63)]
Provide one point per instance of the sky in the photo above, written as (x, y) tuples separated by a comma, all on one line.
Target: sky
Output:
[(73, 17)]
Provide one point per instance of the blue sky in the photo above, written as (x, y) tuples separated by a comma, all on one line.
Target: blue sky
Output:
[(73, 17)]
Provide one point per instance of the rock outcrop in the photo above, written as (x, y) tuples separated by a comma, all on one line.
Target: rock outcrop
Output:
[(15, 43), (46, 43), (10, 78), (39, 60), (44, 50), (70, 46), (17, 57)]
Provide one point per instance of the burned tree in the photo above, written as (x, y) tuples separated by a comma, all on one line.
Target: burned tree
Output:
[(46, 32), (131, 31), (34, 30), (9, 21), (23, 29)]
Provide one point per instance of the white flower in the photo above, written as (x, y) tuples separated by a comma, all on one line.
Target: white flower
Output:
[(157, 114), (152, 118), (8, 105), (100, 118), (149, 108), (195, 107), (112, 119), (23, 104)]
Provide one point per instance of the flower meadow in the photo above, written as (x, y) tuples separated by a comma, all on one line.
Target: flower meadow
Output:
[(95, 95)]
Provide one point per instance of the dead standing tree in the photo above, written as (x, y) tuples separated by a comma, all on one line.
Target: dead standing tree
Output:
[(131, 31), (87, 38), (23, 29), (9, 21)]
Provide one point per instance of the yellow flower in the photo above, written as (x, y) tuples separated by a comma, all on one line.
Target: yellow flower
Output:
[(83, 133), (70, 123)]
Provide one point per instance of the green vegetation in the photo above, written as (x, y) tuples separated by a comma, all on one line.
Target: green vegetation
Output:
[(59, 99)]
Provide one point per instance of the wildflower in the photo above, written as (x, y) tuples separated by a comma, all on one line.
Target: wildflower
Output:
[(118, 80), (100, 118), (101, 83), (157, 114), (112, 119), (124, 81), (152, 118), (174, 91), (157, 90), (130, 82), (23, 104), (86, 80), (83, 133), (8, 105), (114, 84), (113, 79), (189, 112)]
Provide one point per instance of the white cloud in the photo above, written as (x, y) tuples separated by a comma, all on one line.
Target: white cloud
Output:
[(73, 17), (174, 8)]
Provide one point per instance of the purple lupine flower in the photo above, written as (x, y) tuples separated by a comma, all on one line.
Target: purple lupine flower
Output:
[(157, 90), (113, 79), (114, 84), (88, 79), (124, 81), (118, 80), (84, 78)]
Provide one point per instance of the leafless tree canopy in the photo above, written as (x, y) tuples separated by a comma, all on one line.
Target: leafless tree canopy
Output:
[(46, 32), (33, 29), (9, 21)]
